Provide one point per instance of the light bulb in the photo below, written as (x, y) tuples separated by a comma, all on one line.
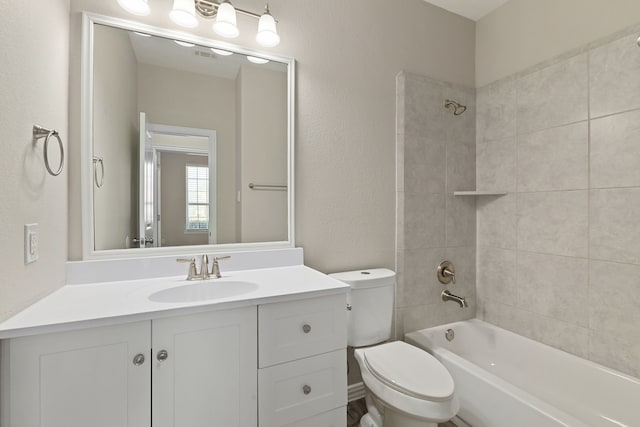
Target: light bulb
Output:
[(257, 60), (225, 23), (184, 44), (137, 7), (267, 33), (221, 52), (184, 13)]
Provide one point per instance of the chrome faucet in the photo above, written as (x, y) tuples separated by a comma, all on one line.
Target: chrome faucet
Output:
[(448, 296), (215, 270), (193, 274)]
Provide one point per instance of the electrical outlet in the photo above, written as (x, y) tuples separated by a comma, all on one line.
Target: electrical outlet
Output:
[(31, 244)]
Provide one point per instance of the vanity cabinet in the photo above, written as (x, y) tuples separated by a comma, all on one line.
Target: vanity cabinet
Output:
[(195, 370), (204, 369), (278, 364), (96, 377), (302, 375)]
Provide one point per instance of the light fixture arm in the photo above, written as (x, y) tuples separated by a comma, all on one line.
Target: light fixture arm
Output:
[(209, 9)]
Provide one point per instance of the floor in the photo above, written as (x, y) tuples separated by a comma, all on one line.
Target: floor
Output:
[(357, 408)]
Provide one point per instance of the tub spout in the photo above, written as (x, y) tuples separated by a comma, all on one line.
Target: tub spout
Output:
[(448, 296)]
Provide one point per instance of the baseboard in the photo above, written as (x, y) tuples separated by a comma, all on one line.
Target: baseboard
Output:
[(355, 391)]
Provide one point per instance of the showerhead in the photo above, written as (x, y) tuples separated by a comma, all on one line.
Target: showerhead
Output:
[(457, 107)]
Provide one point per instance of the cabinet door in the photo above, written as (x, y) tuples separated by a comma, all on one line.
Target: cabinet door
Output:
[(78, 379), (208, 375)]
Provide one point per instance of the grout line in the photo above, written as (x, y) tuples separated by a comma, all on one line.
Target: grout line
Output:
[(589, 291), (518, 286)]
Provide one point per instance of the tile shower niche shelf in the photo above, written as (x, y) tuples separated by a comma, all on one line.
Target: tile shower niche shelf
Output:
[(479, 193)]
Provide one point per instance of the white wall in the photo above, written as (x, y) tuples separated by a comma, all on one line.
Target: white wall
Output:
[(173, 200), (523, 33), (115, 138), (34, 90), (348, 54), (263, 153), (198, 101)]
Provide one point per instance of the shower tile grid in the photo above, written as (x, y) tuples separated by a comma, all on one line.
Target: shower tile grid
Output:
[(570, 223)]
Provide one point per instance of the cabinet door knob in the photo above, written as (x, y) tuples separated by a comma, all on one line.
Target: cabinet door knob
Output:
[(138, 359), (162, 355), (306, 328), (306, 389)]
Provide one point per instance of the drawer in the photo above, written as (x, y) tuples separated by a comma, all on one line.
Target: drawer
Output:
[(296, 329), (335, 418), (294, 391)]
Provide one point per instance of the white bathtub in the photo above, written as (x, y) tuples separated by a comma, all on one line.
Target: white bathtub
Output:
[(506, 380)]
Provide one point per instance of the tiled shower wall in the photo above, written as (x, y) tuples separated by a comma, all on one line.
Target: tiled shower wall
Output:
[(435, 156), (559, 255)]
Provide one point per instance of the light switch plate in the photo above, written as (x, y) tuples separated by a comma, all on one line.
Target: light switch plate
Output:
[(31, 244)]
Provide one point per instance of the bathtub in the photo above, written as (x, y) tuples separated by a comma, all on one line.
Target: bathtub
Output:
[(506, 380)]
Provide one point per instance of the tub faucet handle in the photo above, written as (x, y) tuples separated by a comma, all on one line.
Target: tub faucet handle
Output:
[(446, 273)]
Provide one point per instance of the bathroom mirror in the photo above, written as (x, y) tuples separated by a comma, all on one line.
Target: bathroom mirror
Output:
[(186, 143)]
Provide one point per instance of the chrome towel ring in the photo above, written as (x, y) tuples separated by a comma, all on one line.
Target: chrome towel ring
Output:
[(98, 160), (38, 133)]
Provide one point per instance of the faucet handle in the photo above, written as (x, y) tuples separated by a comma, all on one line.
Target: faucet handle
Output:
[(215, 270), (446, 272), (192, 267)]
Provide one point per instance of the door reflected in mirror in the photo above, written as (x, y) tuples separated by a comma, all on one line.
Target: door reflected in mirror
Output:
[(183, 130)]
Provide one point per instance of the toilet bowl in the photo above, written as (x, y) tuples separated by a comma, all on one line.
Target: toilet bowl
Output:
[(409, 387), (405, 386)]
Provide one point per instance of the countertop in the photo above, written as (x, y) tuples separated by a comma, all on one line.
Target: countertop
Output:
[(107, 303)]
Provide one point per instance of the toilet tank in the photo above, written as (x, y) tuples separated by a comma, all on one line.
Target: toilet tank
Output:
[(371, 301)]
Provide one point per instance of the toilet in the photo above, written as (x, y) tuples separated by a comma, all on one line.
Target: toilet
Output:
[(405, 386)]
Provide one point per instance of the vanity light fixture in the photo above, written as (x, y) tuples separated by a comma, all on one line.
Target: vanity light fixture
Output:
[(185, 12), (267, 33), (225, 22), (137, 7)]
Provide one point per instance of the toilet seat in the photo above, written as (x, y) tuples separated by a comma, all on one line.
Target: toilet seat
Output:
[(410, 370), (409, 380)]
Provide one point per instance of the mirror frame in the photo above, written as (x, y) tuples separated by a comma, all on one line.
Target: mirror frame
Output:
[(86, 146)]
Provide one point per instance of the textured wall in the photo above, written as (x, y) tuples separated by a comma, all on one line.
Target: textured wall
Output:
[(523, 33), (173, 200), (115, 133), (559, 255), (34, 90), (348, 55), (179, 98), (435, 157), (263, 154)]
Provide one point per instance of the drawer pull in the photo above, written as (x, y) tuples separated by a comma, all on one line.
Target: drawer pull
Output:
[(306, 389), (306, 328), (162, 355), (138, 359)]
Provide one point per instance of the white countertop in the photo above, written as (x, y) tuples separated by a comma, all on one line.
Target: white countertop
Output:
[(107, 303)]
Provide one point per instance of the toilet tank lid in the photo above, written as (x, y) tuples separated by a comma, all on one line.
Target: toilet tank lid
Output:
[(368, 278)]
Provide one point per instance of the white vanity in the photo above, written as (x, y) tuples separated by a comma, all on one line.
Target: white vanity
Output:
[(114, 354)]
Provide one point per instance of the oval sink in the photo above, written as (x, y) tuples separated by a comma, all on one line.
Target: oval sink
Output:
[(203, 291)]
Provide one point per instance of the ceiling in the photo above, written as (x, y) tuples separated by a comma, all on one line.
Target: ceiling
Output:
[(472, 9)]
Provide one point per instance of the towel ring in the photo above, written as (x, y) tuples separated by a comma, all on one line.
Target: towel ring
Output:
[(99, 182), (40, 132)]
